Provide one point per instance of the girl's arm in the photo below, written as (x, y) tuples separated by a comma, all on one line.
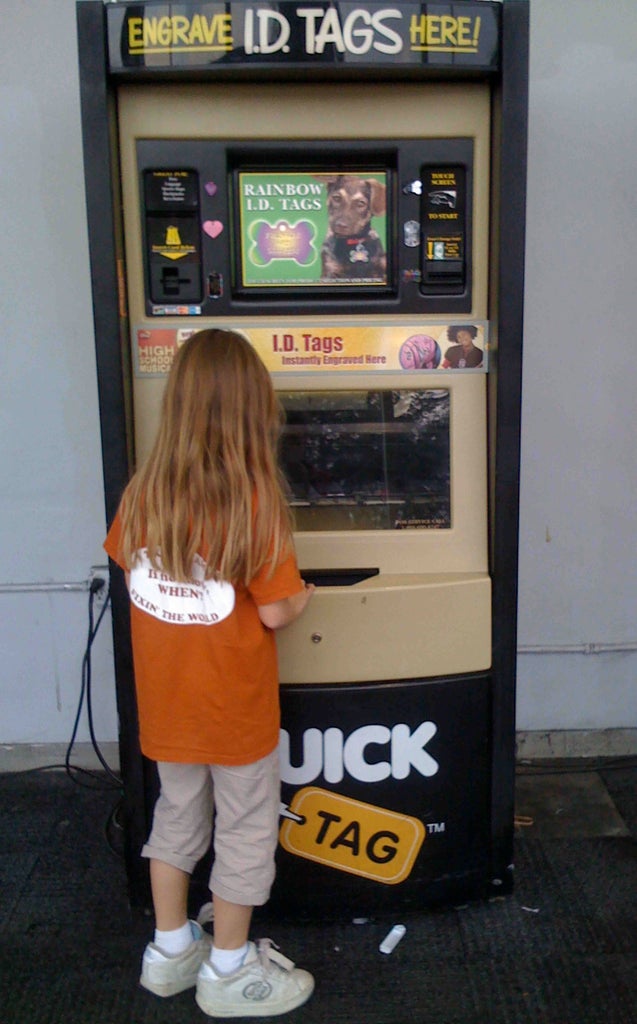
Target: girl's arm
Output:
[(282, 613)]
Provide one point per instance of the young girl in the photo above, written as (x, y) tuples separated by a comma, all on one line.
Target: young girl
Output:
[(203, 533)]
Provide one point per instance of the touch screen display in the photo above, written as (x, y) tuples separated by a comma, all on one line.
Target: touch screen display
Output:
[(368, 460), (306, 228)]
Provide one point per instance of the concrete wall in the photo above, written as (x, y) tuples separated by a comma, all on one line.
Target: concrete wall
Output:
[(578, 564), (51, 492), (578, 577)]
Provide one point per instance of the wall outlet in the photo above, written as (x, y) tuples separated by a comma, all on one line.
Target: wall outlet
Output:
[(99, 572)]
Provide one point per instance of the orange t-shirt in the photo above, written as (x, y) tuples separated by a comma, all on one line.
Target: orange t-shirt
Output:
[(206, 672)]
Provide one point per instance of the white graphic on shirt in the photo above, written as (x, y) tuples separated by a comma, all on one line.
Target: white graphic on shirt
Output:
[(200, 602)]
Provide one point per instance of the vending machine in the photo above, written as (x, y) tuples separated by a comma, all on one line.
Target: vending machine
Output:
[(344, 184)]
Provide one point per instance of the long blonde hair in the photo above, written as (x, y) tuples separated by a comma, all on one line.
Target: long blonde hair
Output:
[(211, 484)]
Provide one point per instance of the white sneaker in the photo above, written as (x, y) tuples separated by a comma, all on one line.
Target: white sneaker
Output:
[(168, 975), (267, 983)]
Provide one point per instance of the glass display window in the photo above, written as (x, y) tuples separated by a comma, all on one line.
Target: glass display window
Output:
[(368, 459)]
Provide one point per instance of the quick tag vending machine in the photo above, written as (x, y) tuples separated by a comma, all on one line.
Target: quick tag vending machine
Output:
[(344, 183)]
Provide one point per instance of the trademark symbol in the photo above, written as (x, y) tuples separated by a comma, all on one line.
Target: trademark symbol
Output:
[(435, 828)]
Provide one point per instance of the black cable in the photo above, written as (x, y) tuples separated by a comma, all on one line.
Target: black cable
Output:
[(75, 772), (85, 692)]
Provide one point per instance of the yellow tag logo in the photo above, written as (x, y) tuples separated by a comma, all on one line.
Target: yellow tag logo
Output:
[(173, 247), (352, 836)]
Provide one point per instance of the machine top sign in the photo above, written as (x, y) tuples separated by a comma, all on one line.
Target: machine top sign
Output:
[(430, 37)]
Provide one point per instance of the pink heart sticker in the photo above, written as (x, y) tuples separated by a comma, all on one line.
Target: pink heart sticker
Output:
[(211, 188), (213, 227)]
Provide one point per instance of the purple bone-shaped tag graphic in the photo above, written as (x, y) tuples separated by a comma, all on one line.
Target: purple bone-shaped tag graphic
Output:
[(283, 241)]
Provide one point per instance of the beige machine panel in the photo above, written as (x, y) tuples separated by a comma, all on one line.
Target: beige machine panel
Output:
[(427, 610), (391, 627)]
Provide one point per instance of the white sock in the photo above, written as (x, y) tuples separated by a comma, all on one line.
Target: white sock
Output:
[(226, 961), (174, 942)]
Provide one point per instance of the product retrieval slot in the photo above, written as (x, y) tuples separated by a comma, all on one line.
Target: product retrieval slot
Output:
[(175, 284), (337, 577), (171, 281)]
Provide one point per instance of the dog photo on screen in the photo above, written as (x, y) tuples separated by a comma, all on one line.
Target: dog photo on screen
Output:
[(352, 248)]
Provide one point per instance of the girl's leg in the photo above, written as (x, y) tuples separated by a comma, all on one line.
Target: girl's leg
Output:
[(231, 923), (169, 887), (247, 801), (182, 826), (180, 836)]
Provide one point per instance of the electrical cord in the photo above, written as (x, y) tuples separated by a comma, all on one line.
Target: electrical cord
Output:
[(96, 585), (75, 772), (93, 780)]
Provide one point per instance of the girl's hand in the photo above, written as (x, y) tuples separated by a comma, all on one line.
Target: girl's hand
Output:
[(282, 613)]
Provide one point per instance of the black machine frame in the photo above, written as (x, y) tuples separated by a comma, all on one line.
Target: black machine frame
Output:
[(508, 78)]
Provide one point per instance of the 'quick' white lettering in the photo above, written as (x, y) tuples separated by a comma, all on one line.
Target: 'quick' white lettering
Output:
[(334, 755)]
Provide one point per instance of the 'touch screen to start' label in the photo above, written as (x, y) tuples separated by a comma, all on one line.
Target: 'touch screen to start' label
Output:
[(352, 836)]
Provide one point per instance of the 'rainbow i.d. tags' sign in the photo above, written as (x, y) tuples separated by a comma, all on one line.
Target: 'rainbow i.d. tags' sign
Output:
[(286, 237)]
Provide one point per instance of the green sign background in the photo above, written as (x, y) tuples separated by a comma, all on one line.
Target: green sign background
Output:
[(283, 221)]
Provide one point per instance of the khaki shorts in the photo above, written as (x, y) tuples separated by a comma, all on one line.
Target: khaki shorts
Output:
[(244, 801)]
